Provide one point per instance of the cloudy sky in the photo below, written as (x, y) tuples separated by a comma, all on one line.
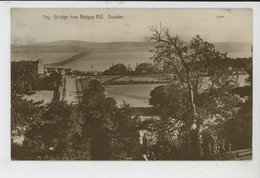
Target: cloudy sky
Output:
[(214, 25)]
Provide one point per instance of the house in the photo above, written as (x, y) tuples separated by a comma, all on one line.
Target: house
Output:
[(36, 65)]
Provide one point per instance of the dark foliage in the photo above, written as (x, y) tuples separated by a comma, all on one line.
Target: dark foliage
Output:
[(117, 69), (24, 76)]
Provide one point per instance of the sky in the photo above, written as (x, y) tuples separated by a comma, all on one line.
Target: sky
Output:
[(214, 25)]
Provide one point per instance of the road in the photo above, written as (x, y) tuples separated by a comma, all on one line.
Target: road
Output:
[(68, 90)]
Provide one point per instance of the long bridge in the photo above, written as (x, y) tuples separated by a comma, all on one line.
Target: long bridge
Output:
[(66, 61)]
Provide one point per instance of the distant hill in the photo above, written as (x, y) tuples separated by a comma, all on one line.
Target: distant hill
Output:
[(82, 46)]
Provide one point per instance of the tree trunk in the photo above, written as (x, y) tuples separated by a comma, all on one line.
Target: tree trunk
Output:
[(191, 94), (195, 126)]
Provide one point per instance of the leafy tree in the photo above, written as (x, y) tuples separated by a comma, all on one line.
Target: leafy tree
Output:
[(112, 131), (50, 82), (198, 66), (99, 112), (95, 129), (24, 112), (238, 131), (24, 76), (144, 68), (117, 69), (215, 107), (57, 133), (126, 134), (243, 63)]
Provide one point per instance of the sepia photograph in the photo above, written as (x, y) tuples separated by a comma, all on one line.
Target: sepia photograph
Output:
[(146, 84)]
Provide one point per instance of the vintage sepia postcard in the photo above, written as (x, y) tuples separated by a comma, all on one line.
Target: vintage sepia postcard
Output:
[(131, 84)]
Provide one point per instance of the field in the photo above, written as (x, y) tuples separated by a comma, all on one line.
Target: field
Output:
[(135, 95)]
